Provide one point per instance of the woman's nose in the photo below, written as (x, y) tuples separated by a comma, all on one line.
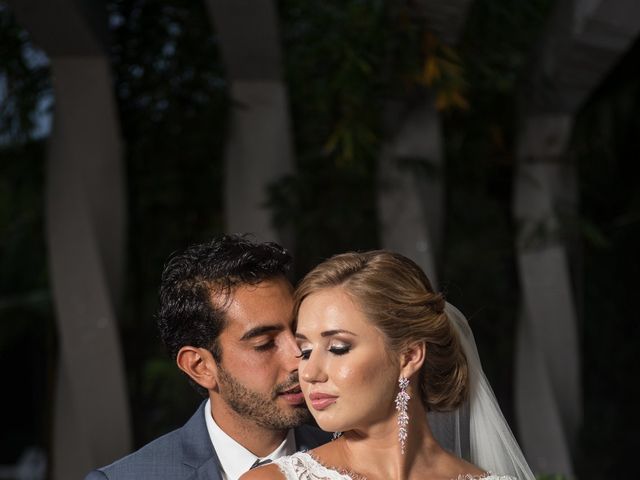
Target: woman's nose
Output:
[(311, 370)]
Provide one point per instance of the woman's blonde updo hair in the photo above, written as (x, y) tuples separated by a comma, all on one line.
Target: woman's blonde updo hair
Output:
[(397, 297)]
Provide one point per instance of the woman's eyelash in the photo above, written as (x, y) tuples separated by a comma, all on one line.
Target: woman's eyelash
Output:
[(304, 354), (335, 349), (340, 350)]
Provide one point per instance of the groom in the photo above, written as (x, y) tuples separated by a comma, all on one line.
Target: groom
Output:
[(226, 318)]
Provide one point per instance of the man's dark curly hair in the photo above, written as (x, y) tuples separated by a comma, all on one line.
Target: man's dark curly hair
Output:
[(190, 281)]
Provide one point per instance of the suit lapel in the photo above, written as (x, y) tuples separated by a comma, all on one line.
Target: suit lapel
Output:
[(309, 437), (210, 470), (197, 451)]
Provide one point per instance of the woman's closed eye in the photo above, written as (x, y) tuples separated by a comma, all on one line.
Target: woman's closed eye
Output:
[(339, 349), (335, 349), (304, 354)]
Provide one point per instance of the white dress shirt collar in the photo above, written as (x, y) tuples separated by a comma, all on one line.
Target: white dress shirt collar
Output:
[(234, 458)]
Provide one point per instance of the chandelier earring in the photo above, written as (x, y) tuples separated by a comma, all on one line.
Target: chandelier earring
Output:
[(402, 402)]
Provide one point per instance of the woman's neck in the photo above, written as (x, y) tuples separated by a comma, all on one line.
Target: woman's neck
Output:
[(375, 453)]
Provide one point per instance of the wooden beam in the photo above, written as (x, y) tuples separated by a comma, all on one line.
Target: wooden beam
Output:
[(583, 42), (64, 27)]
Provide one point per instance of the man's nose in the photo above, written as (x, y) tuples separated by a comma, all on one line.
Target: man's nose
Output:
[(290, 353)]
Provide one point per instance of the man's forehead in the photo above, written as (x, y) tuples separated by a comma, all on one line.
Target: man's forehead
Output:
[(223, 293), (249, 306)]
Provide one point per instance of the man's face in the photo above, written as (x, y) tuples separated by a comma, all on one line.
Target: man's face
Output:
[(258, 371)]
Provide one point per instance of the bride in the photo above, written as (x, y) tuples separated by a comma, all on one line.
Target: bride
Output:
[(378, 350)]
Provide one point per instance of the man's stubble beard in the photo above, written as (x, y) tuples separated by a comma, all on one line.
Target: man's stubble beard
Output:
[(261, 408)]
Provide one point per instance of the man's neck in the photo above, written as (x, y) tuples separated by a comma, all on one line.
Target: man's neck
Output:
[(258, 440)]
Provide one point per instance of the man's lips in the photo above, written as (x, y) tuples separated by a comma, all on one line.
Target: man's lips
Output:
[(293, 396), (320, 401)]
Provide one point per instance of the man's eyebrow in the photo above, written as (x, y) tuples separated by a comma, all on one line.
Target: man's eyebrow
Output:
[(261, 330), (327, 333)]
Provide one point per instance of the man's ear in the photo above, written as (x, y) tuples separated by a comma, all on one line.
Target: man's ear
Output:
[(199, 364), (412, 359)]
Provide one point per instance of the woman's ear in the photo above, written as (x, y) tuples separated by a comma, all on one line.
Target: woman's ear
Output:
[(199, 364), (412, 359)]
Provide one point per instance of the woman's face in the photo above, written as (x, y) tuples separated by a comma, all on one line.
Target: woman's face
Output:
[(346, 373)]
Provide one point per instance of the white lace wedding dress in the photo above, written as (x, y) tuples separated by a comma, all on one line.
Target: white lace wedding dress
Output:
[(302, 466)]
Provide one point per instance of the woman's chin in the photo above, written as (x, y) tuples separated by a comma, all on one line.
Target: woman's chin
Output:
[(329, 426)]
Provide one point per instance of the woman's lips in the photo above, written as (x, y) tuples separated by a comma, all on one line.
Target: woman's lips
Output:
[(320, 401)]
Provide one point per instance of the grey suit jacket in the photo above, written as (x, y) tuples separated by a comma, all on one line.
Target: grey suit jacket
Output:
[(185, 454)]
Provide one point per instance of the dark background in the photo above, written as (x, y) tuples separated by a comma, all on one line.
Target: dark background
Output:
[(173, 105)]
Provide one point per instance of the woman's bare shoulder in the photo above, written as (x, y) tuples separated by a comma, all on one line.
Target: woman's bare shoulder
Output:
[(266, 472), (327, 453), (462, 469)]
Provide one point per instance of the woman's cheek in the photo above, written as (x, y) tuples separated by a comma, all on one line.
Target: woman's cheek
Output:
[(346, 373)]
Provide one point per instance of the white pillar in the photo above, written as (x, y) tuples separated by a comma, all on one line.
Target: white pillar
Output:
[(85, 229), (410, 190), (259, 149), (583, 41), (85, 232), (548, 391), (258, 154)]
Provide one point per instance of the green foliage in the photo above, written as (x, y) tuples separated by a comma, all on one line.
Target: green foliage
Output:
[(443, 72), (605, 146), (497, 44), (345, 62), (479, 264), (173, 105), (27, 331), (24, 80), (332, 63)]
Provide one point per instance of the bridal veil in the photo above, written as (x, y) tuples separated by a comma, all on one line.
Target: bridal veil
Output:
[(478, 431)]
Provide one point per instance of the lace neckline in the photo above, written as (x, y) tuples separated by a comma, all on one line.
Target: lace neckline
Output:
[(326, 469), (351, 475)]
